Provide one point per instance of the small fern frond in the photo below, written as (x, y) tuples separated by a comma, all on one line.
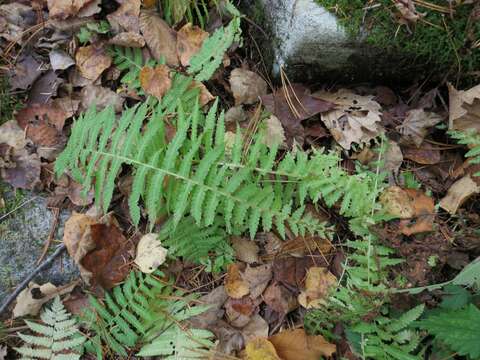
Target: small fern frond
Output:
[(208, 59), (472, 140), (58, 337), (125, 315)]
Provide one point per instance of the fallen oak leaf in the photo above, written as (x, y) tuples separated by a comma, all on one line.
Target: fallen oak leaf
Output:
[(150, 253), (464, 108), (155, 81), (296, 344)]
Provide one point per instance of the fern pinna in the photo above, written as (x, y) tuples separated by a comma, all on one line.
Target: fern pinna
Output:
[(58, 337), (472, 139), (143, 311)]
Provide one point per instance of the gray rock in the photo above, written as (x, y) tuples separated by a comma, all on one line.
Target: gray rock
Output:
[(310, 44), (22, 236)]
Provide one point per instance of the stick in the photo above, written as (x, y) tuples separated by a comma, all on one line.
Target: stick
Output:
[(25, 281)]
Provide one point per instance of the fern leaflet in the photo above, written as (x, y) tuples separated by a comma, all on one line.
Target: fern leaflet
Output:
[(58, 336), (472, 140)]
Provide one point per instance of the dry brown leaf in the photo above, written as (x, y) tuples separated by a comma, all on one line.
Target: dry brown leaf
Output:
[(44, 88), (26, 71), (256, 328), (245, 249), (408, 12), (260, 349), (239, 312), (280, 299), (426, 154), (318, 283), (19, 168), (159, 37), (458, 193), (304, 104), (92, 61), (215, 301), (355, 118), (150, 253), (235, 286), (464, 108), (189, 42), (155, 81), (65, 8), (257, 279), (205, 95), (393, 157), (60, 60), (31, 299), (415, 126), (424, 209), (128, 39), (247, 87), (67, 187), (126, 16), (396, 202), (274, 133), (12, 135), (101, 97), (296, 344)]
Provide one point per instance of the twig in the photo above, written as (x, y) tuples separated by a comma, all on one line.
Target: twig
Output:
[(25, 281), (56, 213)]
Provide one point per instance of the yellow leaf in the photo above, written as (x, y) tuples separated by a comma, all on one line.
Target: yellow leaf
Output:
[(296, 344), (261, 349)]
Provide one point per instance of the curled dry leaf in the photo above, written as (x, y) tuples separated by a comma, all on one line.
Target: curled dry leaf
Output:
[(247, 87), (393, 157), (150, 253), (205, 95), (415, 126), (155, 81), (31, 299), (355, 118), (458, 193), (464, 108), (257, 278), (245, 249), (318, 283), (126, 16), (98, 247), (128, 39), (189, 42), (235, 286), (261, 349), (296, 344), (92, 61), (159, 37)]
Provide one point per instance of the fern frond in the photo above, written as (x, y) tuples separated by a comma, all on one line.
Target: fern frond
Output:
[(185, 178), (208, 59), (458, 329), (472, 140), (125, 315), (58, 337), (197, 245)]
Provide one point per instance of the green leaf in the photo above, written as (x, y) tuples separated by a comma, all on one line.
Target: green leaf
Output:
[(459, 329)]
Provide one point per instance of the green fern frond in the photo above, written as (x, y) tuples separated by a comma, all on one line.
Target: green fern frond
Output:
[(125, 315), (197, 245), (459, 329), (58, 337), (472, 140), (208, 59), (193, 11), (184, 177)]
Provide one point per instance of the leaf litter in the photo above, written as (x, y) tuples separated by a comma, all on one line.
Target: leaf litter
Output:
[(257, 302)]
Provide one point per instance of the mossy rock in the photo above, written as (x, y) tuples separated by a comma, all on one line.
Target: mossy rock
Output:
[(321, 40)]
